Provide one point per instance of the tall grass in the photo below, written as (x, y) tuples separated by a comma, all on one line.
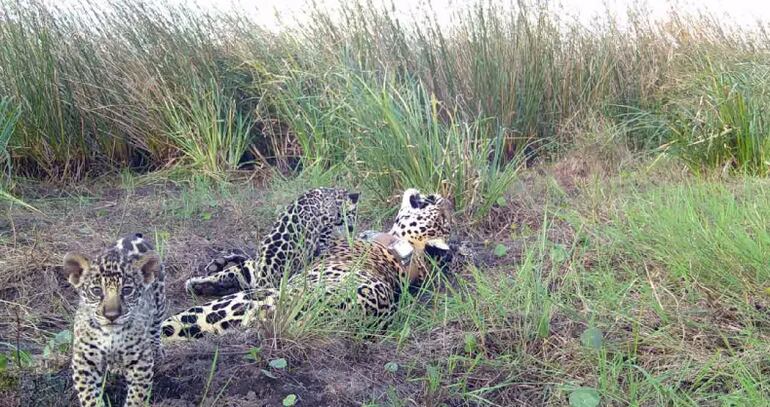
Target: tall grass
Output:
[(724, 123), (391, 135), (94, 82), (208, 129), (9, 115), (129, 83), (517, 63)]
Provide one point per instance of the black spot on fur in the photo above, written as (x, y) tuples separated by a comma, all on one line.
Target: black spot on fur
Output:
[(196, 310), (167, 331), (220, 305), (191, 332), (189, 319), (215, 317), (239, 309)]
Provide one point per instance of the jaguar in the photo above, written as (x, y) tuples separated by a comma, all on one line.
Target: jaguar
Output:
[(122, 302), (366, 275)]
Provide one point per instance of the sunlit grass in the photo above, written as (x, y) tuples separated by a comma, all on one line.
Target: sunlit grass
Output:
[(128, 84)]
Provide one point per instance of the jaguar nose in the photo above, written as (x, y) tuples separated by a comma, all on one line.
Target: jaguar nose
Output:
[(112, 314), (111, 309)]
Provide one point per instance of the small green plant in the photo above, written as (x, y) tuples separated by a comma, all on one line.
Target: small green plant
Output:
[(254, 355), (59, 344), (161, 241), (14, 356), (210, 378), (391, 367), (471, 344), (279, 363), (433, 378), (290, 400), (592, 338), (584, 397)]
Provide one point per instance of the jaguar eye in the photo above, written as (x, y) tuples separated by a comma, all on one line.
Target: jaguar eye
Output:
[(96, 291), (127, 290)]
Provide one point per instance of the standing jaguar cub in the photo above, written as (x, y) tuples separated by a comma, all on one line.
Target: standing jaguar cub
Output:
[(117, 323)]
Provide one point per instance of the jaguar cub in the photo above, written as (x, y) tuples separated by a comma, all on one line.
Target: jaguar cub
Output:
[(117, 323)]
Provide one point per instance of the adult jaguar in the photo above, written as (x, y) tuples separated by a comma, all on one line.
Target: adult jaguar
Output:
[(365, 272)]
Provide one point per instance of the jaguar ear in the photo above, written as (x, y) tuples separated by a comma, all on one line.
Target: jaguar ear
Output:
[(75, 265), (411, 199), (150, 265), (354, 196), (414, 201)]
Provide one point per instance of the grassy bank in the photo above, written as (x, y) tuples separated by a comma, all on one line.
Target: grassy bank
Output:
[(138, 85), (633, 289)]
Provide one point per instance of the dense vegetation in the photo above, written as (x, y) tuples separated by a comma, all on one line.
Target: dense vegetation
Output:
[(97, 87)]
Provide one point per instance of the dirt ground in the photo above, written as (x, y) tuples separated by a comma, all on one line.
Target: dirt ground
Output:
[(36, 302)]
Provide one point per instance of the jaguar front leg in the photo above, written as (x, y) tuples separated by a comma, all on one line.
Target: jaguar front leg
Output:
[(234, 278), (88, 369), (227, 260), (139, 379)]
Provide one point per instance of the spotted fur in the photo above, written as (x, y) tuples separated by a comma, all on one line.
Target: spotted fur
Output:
[(117, 323), (367, 273), (302, 232)]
